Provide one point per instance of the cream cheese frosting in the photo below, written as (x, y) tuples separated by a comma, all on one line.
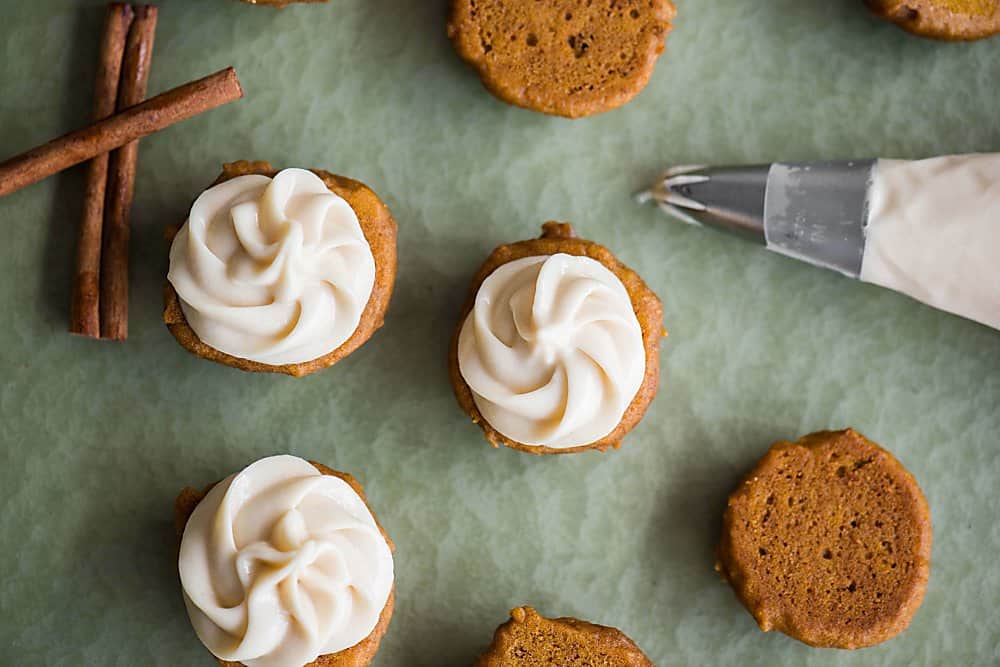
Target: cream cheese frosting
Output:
[(281, 564), (277, 271), (934, 233), (552, 351)]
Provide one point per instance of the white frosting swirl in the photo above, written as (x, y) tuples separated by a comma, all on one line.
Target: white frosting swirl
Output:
[(276, 271), (552, 350), (281, 564)]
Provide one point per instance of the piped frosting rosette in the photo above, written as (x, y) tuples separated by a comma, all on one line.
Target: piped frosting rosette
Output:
[(281, 564), (552, 351), (277, 271)]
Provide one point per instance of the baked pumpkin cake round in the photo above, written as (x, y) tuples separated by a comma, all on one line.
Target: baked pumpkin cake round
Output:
[(530, 640), (280, 272), (562, 57), (953, 20), (284, 563), (557, 347), (828, 540)]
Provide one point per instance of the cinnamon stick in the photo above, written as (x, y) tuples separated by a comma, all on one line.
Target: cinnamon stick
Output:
[(84, 309), (137, 121), (121, 180)]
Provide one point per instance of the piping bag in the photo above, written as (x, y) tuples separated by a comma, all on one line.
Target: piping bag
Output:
[(927, 228)]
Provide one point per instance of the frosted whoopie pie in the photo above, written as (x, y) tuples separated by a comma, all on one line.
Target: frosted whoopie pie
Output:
[(557, 348), (281, 272), (283, 564)]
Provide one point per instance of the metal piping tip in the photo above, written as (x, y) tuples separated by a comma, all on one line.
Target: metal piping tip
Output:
[(730, 198), (670, 201)]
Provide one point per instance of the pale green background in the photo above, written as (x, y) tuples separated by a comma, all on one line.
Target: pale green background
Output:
[(98, 437)]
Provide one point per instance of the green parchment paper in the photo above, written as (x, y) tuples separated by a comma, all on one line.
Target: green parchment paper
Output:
[(98, 437)]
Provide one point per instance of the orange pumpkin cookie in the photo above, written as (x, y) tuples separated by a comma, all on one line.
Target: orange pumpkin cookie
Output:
[(530, 640), (828, 540), (562, 57), (954, 20)]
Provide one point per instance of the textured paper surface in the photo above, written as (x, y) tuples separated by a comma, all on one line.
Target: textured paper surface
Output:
[(97, 438)]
